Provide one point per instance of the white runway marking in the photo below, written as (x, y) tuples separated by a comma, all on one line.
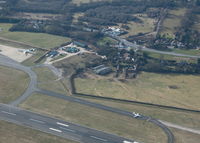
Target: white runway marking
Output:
[(56, 130), (9, 113), (98, 138), (38, 121), (67, 129), (62, 124)]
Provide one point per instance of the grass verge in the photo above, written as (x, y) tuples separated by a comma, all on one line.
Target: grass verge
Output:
[(48, 81), (10, 133), (95, 118), (186, 119), (10, 89)]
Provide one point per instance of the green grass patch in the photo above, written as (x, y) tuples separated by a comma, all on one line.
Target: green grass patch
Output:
[(48, 81), (173, 21), (147, 25), (41, 40), (186, 119), (10, 89), (148, 87), (95, 118)]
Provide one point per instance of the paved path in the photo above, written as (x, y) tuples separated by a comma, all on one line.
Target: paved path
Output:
[(180, 127), (5, 61), (130, 44)]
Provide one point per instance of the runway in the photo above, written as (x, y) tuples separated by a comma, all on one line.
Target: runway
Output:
[(56, 127)]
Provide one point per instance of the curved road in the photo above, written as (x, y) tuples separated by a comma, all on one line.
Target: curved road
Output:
[(18, 118)]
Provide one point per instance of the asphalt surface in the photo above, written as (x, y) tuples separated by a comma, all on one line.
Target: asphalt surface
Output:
[(5, 61), (49, 125), (130, 44), (56, 127), (169, 134)]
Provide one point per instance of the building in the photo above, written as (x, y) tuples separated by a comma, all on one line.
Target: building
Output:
[(52, 54), (102, 70), (71, 50), (79, 44)]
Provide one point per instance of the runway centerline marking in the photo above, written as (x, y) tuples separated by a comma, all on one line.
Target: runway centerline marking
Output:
[(98, 138), (38, 121), (56, 130), (13, 114), (67, 129), (62, 124)]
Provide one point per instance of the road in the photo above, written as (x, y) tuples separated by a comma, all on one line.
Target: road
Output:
[(130, 44), (56, 127), (180, 127), (110, 109), (5, 61), (19, 116)]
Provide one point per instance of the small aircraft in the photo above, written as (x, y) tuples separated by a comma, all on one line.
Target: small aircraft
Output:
[(27, 51), (136, 115)]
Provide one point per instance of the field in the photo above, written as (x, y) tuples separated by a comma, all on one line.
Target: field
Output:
[(186, 119), (70, 64), (78, 2), (178, 59), (41, 40), (36, 16), (165, 89), (197, 24), (10, 133), (47, 80), (99, 119), (148, 25), (185, 137), (173, 21), (31, 61), (9, 87)]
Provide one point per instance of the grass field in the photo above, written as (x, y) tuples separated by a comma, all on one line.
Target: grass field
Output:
[(31, 61), (10, 88), (145, 27), (99, 119), (185, 137), (197, 23), (186, 119), (173, 21), (105, 40), (148, 87), (10, 133), (78, 2), (178, 59), (35, 39), (47, 80)]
